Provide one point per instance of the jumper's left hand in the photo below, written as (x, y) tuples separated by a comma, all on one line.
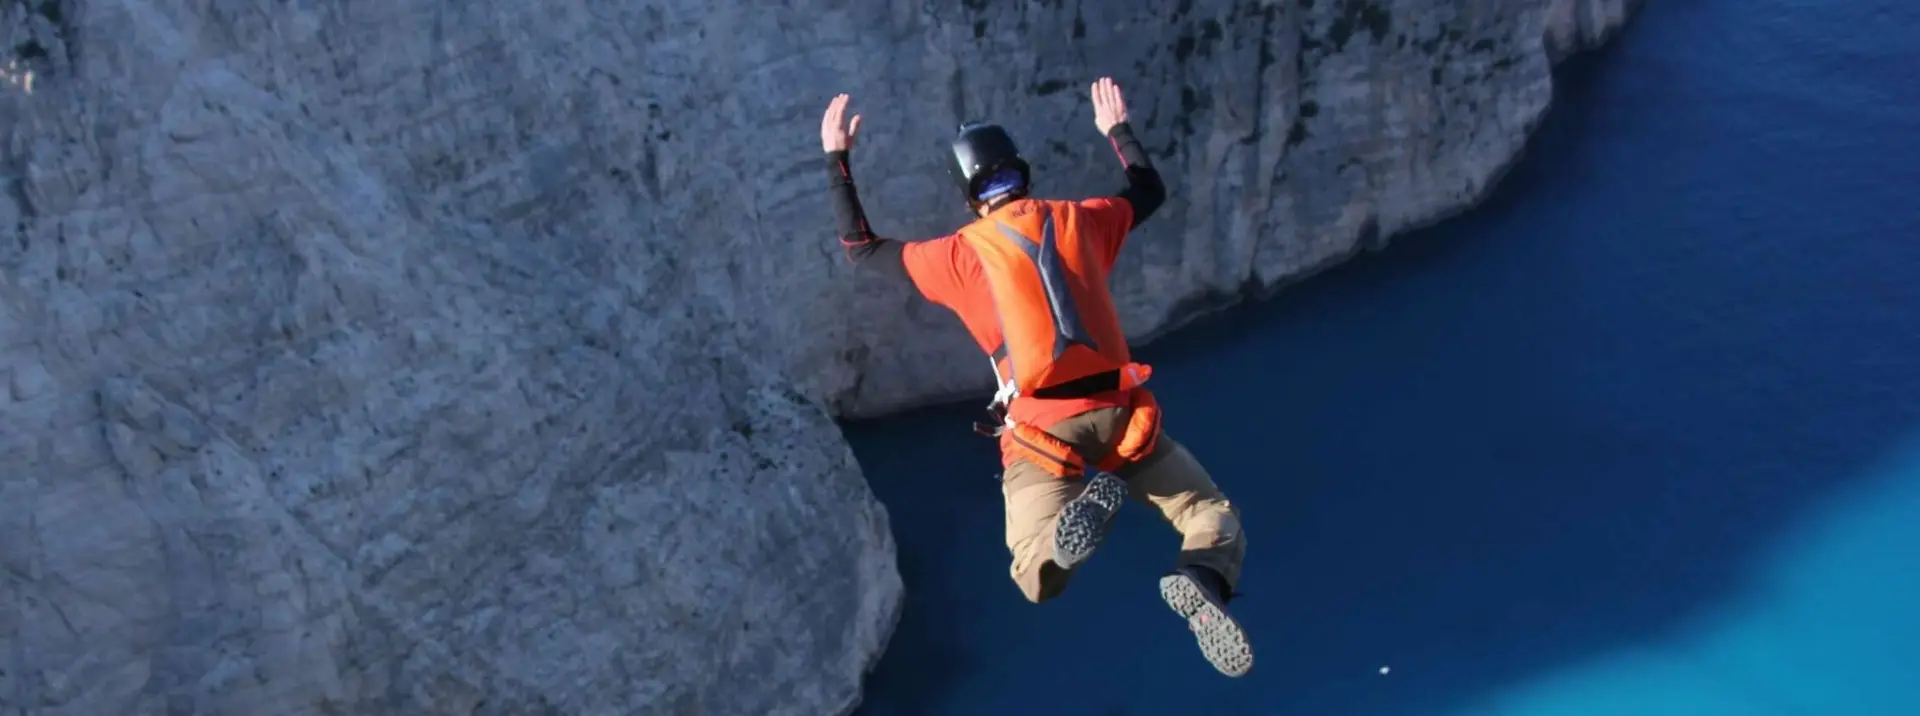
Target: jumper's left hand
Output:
[(836, 133)]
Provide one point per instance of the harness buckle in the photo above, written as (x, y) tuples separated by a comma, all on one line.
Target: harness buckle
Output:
[(996, 420)]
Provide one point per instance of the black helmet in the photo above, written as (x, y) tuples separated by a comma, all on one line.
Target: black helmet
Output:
[(979, 151)]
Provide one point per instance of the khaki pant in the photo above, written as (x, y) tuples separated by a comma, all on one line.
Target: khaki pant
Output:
[(1169, 479)]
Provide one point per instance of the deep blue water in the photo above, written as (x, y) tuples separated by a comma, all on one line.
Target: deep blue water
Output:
[(1633, 438)]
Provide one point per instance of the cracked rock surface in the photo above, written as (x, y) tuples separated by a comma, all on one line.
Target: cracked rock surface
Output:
[(481, 358)]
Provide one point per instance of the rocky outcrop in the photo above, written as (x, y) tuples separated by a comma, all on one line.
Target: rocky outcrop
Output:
[(1293, 133), (426, 358)]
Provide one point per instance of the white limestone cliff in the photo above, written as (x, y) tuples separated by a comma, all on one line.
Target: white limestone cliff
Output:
[(449, 358)]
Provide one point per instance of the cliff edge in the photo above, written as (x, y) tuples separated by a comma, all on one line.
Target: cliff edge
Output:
[(481, 358)]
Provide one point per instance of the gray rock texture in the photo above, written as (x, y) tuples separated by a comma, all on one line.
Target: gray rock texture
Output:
[(425, 358)]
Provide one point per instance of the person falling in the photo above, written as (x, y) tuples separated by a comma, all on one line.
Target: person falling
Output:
[(1078, 433)]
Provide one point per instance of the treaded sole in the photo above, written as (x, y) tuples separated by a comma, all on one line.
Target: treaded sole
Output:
[(1220, 637), (1083, 523)]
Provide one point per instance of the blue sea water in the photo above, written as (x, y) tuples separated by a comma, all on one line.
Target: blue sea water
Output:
[(1640, 436)]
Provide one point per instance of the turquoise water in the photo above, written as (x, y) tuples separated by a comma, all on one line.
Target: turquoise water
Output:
[(1638, 437)]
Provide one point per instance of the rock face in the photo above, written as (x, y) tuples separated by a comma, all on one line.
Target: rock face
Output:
[(1292, 133), (424, 358)]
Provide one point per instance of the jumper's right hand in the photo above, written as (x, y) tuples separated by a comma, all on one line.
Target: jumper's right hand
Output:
[(836, 134), (1109, 108)]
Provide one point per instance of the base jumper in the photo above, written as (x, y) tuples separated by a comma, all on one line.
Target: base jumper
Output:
[(1078, 433)]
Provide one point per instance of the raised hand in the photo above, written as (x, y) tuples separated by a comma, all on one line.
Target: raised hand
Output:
[(836, 133), (1109, 108)]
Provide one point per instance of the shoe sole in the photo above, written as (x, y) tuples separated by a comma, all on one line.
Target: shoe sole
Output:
[(1085, 520), (1220, 637)]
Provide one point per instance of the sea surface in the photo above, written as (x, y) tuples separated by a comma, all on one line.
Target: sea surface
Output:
[(1639, 436)]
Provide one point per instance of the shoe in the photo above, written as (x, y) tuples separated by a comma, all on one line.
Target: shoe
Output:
[(1086, 519), (1192, 593)]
